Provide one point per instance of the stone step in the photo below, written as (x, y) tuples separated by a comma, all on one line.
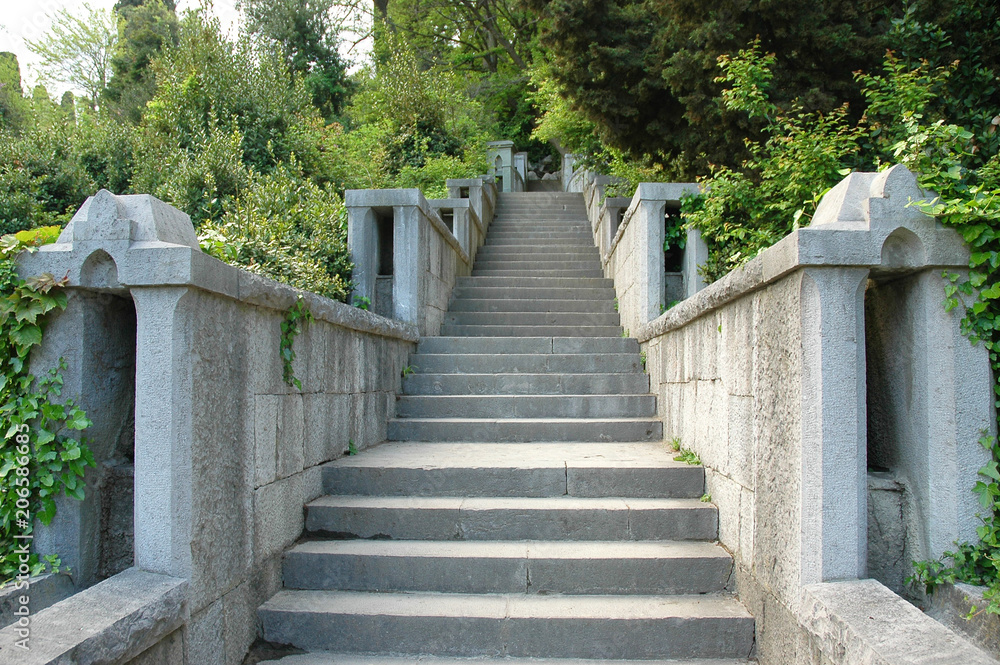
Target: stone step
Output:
[(539, 241), (525, 406), (526, 384), (525, 363), (494, 235), (538, 282), (511, 518), (530, 305), (529, 331), (327, 658), (513, 272), (554, 292), (630, 568), (533, 318), (527, 345), (552, 263), (524, 430), (636, 469), (534, 253), (510, 625), (520, 222)]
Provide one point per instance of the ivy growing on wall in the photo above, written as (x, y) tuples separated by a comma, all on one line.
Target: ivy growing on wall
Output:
[(39, 460)]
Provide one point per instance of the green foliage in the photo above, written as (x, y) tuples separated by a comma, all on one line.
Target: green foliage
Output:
[(706, 498), (145, 29), (688, 457), (78, 49), (639, 70), (302, 30), (297, 315), (39, 460), (351, 448), (750, 208), (288, 228), (361, 302), (13, 107)]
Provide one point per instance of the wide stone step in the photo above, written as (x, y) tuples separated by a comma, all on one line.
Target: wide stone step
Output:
[(551, 263), (538, 282), (526, 384), (534, 567), (527, 345), (495, 235), (636, 469), (524, 430), (539, 241), (529, 331), (513, 272), (524, 363), (525, 406), (604, 305), (533, 318), (555, 292), (327, 658), (533, 253), (511, 518), (510, 625)]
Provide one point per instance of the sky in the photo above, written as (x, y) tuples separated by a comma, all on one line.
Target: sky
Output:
[(20, 19)]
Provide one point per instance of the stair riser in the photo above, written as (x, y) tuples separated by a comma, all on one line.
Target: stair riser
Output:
[(537, 254), (512, 363), (526, 384), (524, 431), (539, 283), (527, 345), (532, 319), (680, 482), (488, 292), (457, 574), (514, 264), (525, 305), (526, 406), (504, 272), (529, 331), (514, 524)]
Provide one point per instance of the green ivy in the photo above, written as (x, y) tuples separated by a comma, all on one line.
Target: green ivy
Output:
[(39, 460), (291, 326)]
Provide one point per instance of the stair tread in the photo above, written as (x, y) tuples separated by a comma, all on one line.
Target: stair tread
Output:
[(507, 606), (326, 658), (404, 454), (564, 502), (515, 549)]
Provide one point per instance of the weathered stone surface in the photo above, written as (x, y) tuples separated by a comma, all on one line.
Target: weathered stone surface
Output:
[(864, 623), (113, 621), (43, 591), (950, 604)]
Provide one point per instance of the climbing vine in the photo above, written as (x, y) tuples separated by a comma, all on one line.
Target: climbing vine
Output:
[(39, 460), (291, 326)]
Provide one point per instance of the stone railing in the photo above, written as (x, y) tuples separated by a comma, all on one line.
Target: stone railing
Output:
[(630, 235), (406, 259), (827, 355), (175, 356)]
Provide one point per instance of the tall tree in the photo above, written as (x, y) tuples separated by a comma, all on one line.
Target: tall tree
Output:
[(145, 28), (78, 49), (304, 31), (644, 70), (13, 106)]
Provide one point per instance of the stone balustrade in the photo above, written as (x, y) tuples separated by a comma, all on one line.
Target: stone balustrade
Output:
[(825, 367), (176, 358)]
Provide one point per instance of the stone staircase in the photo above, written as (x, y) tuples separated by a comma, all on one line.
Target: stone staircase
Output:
[(525, 507)]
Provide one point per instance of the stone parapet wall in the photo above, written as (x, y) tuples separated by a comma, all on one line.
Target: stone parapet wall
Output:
[(764, 375), (226, 452)]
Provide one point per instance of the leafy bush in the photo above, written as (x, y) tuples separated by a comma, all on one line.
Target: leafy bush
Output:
[(286, 227)]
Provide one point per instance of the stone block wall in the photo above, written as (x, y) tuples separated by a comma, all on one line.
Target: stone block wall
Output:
[(226, 452), (763, 374)]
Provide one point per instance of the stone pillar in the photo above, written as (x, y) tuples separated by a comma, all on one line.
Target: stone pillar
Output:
[(695, 256), (648, 217), (362, 243), (500, 156), (521, 171), (406, 261), (163, 431), (834, 518)]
